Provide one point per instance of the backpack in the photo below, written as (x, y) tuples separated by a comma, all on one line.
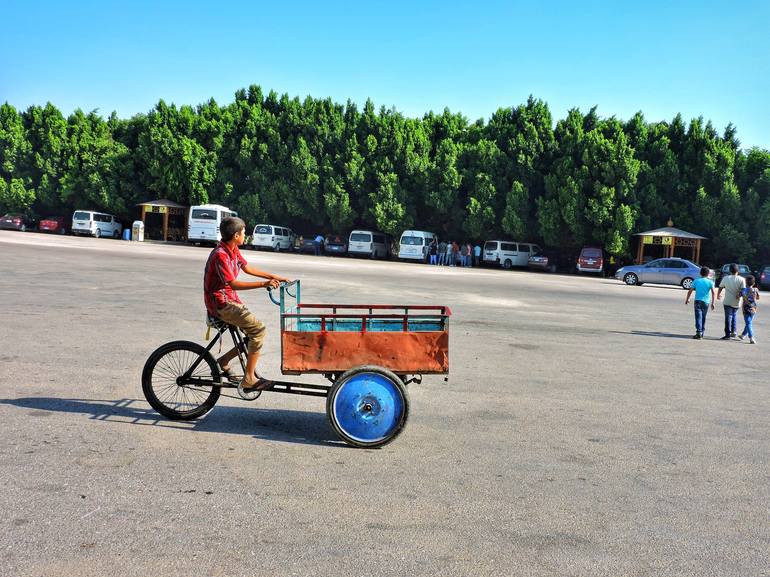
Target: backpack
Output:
[(749, 302)]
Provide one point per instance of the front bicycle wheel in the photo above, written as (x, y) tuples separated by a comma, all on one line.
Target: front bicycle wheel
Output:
[(166, 390)]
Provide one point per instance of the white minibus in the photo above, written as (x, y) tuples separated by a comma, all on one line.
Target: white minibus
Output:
[(414, 245), (368, 243), (203, 223), (96, 224), (507, 253), (272, 237)]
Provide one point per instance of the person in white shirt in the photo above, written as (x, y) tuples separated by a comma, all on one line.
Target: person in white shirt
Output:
[(732, 284)]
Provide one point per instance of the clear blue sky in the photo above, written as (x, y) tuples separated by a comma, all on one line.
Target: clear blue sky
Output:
[(705, 58)]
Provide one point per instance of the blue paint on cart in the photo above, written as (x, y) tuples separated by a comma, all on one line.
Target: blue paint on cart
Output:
[(313, 324)]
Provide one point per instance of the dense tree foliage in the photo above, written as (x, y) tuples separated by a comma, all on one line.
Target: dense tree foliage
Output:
[(320, 165)]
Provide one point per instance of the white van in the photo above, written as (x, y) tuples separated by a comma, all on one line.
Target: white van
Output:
[(368, 243), (96, 224), (414, 245), (203, 223), (272, 237), (508, 253)]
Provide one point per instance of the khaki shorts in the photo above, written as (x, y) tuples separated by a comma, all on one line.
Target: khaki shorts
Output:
[(238, 315)]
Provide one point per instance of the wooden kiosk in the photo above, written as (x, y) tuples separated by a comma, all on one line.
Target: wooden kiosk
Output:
[(672, 240), (173, 215)]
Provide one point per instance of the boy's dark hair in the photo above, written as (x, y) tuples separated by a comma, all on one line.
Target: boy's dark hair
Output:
[(230, 226), (733, 268), (750, 281), (704, 271)]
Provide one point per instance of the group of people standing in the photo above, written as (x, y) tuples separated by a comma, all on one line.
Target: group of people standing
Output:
[(453, 254), (740, 293)]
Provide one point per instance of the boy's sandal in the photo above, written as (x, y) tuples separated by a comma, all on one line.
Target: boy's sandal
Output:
[(261, 384)]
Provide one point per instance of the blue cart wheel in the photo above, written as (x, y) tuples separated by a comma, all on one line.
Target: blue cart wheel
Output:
[(368, 406)]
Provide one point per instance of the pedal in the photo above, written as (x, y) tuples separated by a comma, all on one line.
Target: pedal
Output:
[(251, 395)]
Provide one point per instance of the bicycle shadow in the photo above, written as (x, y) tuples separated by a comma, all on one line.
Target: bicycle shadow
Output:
[(269, 424)]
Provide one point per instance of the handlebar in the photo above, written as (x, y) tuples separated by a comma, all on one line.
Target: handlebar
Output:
[(284, 285)]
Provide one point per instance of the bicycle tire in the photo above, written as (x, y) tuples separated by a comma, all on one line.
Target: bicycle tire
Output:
[(165, 395)]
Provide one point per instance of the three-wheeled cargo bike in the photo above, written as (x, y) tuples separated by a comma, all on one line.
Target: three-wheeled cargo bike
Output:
[(368, 353)]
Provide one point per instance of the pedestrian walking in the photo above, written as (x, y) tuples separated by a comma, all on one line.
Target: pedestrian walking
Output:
[(750, 295), (442, 253), (704, 297), (732, 284), (433, 251), (476, 255)]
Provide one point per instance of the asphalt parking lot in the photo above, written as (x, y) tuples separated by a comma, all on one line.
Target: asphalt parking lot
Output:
[(581, 431)]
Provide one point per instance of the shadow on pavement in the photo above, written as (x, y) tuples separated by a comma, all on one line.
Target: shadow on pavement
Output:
[(646, 285), (652, 334), (304, 427)]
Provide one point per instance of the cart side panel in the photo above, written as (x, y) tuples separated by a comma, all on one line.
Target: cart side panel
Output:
[(330, 352)]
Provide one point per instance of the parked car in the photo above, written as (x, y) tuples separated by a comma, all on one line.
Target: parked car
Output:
[(369, 243), (673, 271), (96, 224), (54, 224), (336, 244), (550, 260), (508, 254), (272, 237), (763, 277), (307, 244), (414, 245), (17, 221), (743, 270), (591, 260)]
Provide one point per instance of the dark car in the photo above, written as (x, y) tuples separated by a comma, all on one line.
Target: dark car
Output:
[(743, 270), (54, 224), (307, 244), (336, 244), (549, 261), (17, 221), (763, 277)]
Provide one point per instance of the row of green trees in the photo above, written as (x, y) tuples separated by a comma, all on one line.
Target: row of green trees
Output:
[(316, 164)]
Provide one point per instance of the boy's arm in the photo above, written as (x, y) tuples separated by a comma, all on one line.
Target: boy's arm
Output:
[(689, 292), (712, 298), (244, 285), (247, 268)]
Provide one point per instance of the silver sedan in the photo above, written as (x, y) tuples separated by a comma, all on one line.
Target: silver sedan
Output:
[(674, 271)]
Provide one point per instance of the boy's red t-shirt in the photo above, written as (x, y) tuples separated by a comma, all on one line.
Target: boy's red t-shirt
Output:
[(222, 267)]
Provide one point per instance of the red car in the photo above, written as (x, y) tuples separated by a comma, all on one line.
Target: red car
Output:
[(591, 259), (54, 224)]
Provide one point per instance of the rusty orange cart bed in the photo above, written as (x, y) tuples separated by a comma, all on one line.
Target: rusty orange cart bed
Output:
[(368, 353)]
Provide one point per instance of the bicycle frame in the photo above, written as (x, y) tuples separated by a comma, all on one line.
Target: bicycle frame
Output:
[(240, 343)]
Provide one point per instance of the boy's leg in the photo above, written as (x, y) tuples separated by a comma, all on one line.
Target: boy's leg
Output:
[(225, 359), (698, 318), (749, 326), (244, 319), (727, 322)]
